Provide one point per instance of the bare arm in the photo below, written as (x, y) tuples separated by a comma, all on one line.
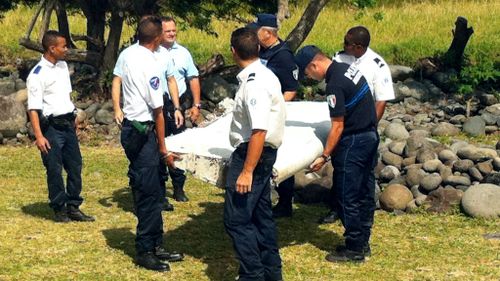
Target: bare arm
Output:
[(289, 95), (255, 147), (380, 109), (194, 85), (332, 141), (115, 97), (41, 142), (174, 94)]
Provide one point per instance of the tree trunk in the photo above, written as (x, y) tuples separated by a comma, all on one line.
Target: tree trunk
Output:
[(305, 24), (62, 22), (33, 20), (49, 6), (283, 11), (113, 44), (461, 35), (95, 12)]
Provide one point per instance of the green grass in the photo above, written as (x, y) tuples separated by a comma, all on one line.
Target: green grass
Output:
[(33, 247), (408, 30)]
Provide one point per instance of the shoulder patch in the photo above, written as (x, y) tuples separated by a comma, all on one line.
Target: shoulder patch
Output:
[(37, 69), (295, 73), (251, 77), (154, 82), (378, 62), (332, 100)]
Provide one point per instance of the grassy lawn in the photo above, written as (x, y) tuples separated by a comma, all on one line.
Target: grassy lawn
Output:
[(33, 247)]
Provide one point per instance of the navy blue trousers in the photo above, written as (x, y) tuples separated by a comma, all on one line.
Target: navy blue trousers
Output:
[(248, 218), (64, 152), (354, 161), (145, 180)]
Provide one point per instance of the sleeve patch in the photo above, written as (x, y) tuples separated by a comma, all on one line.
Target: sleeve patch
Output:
[(154, 83), (37, 69), (332, 100), (295, 73)]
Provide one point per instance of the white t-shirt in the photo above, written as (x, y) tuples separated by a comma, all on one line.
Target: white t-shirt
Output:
[(49, 88), (259, 104), (141, 83), (376, 72)]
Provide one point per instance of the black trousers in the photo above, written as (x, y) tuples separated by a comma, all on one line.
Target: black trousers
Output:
[(145, 180), (64, 153), (248, 219)]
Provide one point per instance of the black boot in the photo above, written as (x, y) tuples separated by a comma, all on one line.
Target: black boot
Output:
[(345, 255), (149, 261), (331, 217), (75, 214), (61, 216), (282, 210), (167, 206), (162, 254), (366, 249), (179, 194)]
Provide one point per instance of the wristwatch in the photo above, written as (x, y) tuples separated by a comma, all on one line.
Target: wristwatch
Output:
[(326, 157), (197, 105), (178, 108)]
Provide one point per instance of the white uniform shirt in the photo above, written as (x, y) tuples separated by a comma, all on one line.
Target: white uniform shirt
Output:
[(376, 72), (141, 83), (259, 104), (183, 66), (49, 88)]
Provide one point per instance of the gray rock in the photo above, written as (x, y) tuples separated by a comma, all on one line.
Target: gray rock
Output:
[(443, 79), (80, 115), (396, 131), (12, 116), (457, 145), (390, 158), (432, 165), (485, 167), (414, 176), (418, 133), (421, 118), (489, 130), (22, 96), (458, 119), (442, 199), (415, 191), (424, 155), (83, 105), (455, 109), (215, 89), (91, 110), (411, 206), (496, 163), (414, 144), (481, 201), (476, 154), (431, 182), (457, 180), (377, 196), (475, 174), (104, 117), (108, 105), (7, 86), (475, 126), (389, 173), (463, 165), (445, 129), (409, 161), (20, 84), (447, 155), (493, 178), (420, 199), (493, 109), (398, 180), (395, 197), (488, 99), (397, 147), (414, 89), (400, 72), (445, 171), (489, 118)]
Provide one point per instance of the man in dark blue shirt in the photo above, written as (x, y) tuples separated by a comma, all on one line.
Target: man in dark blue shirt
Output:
[(278, 57), (353, 137)]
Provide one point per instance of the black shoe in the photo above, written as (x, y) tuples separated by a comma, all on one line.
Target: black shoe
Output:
[(167, 206), (75, 214), (61, 216), (366, 249), (162, 254), (345, 255), (179, 195), (330, 218), (282, 210), (149, 261)]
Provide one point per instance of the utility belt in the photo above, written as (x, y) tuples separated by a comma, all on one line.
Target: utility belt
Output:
[(137, 137), (60, 122), (142, 127)]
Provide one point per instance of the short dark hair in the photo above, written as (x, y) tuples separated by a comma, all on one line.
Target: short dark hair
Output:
[(167, 19), (245, 42), (360, 35), (149, 29), (50, 39)]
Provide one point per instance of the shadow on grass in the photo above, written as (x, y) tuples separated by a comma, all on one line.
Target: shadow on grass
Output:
[(39, 210), (121, 197), (121, 239)]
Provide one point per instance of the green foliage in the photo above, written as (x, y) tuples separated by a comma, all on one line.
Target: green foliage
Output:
[(362, 4), (378, 16), (485, 74)]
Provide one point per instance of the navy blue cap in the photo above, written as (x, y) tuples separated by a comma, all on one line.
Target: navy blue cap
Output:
[(304, 56), (268, 20)]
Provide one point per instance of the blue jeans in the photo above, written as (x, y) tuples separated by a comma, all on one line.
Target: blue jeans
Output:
[(353, 164), (145, 180), (64, 152), (248, 218)]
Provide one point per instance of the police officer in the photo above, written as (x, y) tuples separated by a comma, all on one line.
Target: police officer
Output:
[(353, 136), (52, 116), (376, 72), (278, 57), (185, 72), (143, 139), (256, 132)]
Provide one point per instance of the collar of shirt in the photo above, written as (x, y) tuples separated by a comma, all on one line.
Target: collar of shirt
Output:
[(242, 76), (47, 63), (174, 46), (365, 56)]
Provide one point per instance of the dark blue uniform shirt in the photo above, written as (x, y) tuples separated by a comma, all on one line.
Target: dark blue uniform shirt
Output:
[(348, 95), (280, 60)]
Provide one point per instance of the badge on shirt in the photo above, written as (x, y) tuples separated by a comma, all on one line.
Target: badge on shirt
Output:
[(332, 100), (154, 82), (295, 73), (253, 101)]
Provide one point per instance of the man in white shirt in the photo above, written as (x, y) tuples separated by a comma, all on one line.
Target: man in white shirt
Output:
[(256, 132), (52, 116)]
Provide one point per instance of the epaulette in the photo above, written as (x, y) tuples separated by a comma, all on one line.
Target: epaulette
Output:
[(251, 77), (37, 69), (378, 62)]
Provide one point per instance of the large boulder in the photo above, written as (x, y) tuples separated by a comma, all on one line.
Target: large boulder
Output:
[(493, 109), (482, 201), (400, 72), (7, 86), (457, 180), (215, 89), (12, 116), (396, 131), (392, 159), (476, 154), (431, 182), (411, 88), (104, 116), (395, 197), (447, 155), (445, 129), (475, 126), (463, 165), (414, 176)]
